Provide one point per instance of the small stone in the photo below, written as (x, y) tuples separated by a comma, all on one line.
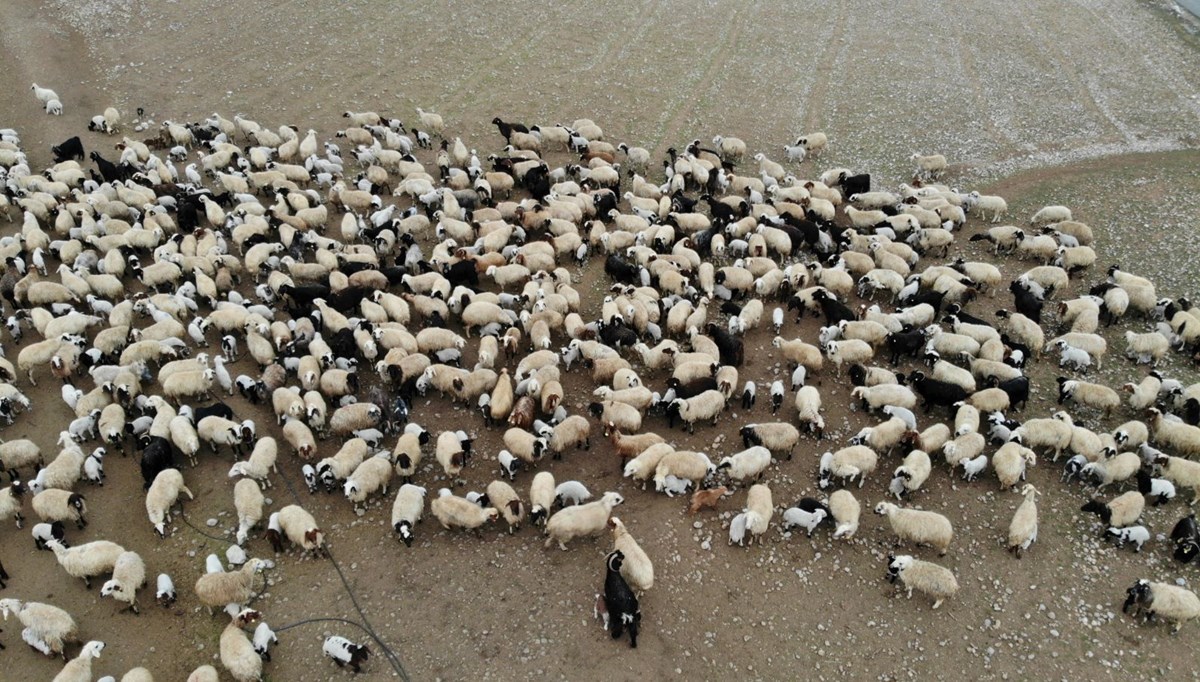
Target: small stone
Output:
[(211, 523)]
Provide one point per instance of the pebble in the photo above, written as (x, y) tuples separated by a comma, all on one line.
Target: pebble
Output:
[(211, 523)]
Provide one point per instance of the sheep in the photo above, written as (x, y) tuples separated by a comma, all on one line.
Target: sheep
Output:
[(523, 444), (637, 569), (972, 468), (755, 518), (300, 437), (205, 673), (1022, 530), (161, 496), (683, 465), (299, 526), (264, 637), (79, 669), (457, 512), (1051, 434), (808, 515), (582, 520), (1160, 490), (86, 560), (706, 406), (43, 532), (59, 505), (237, 652), (128, 576), (855, 461), (1092, 344), (1144, 394), (845, 511), (248, 502), (1176, 605), (1051, 214), (1114, 469), (502, 497), (877, 397), (1138, 535), (1148, 348), (883, 437), (985, 203), (18, 454), (808, 410), (1182, 472), (354, 417), (749, 463), (918, 527), (407, 511), (777, 437), (344, 652), (574, 431), (1178, 436), (930, 578), (1087, 394), (910, 475), (815, 143), (1120, 512), (373, 474), (1010, 462), (848, 351), (797, 352), (929, 166), (47, 627)]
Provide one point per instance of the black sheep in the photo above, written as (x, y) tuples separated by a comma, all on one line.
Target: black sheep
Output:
[(215, 410), (692, 388), (855, 184), (507, 129), (906, 342), (1026, 303), (70, 149), (619, 599), (621, 271), (936, 392), (748, 395), (731, 348), (1186, 535), (156, 457), (835, 311), (1017, 389)]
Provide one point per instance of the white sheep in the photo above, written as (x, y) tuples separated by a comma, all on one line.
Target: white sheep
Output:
[(755, 518), (910, 475), (1052, 434), (128, 576), (1096, 396), (1138, 535), (1174, 604), (876, 397), (637, 570), (299, 526), (260, 463), (235, 587), (1051, 214), (1144, 394), (19, 454), (248, 502), (930, 578), (237, 651), (1149, 348), (86, 560), (684, 465), (855, 461), (845, 510), (53, 504), (929, 166), (1121, 511), (502, 497), (582, 520), (1178, 436), (705, 406), (749, 463), (797, 517), (407, 511), (778, 437), (985, 203), (808, 410), (79, 669), (372, 475), (1010, 462), (161, 496), (1022, 530), (457, 512), (918, 527), (848, 352), (47, 628), (1114, 469)]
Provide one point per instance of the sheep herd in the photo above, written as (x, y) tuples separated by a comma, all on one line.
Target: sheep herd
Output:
[(335, 284)]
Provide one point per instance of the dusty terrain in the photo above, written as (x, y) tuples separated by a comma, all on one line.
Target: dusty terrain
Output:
[(1074, 109)]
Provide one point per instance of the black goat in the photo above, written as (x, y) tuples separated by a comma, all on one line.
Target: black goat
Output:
[(620, 601), (69, 149), (935, 391), (507, 129)]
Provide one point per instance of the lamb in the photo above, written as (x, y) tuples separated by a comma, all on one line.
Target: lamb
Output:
[(845, 511), (807, 515), (1178, 436), (706, 498), (344, 652), (86, 560), (44, 532), (583, 520), (47, 628), (972, 468), (260, 463), (1120, 512), (749, 463), (57, 505), (264, 637), (128, 576), (637, 569), (79, 669), (1010, 462), (918, 527), (237, 651), (855, 461), (457, 512), (407, 511), (571, 494), (910, 475), (299, 526), (1160, 490), (930, 578), (1022, 530), (1138, 535), (163, 493), (777, 437), (755, 518), (1176, 605), (502, 497), (248, 501)]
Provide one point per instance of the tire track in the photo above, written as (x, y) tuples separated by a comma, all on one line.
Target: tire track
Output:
[(1003, 137), (826, 69), (685, 101)]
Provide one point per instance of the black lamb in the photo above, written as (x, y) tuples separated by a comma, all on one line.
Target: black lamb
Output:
[(621, 602)]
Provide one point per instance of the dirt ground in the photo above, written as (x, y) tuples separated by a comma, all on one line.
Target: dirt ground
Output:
[(1075, 110)]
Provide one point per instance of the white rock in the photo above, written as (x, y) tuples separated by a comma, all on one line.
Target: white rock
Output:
[(236, 555)]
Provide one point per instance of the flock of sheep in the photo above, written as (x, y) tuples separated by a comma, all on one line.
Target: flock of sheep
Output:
[(144, 279)]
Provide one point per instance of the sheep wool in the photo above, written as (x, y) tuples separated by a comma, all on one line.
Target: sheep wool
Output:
[(48, 627), (502, 496), (234, 587), (918, 527), (637, 570), (930, 578), (129, 575), (1022, 530), (163, 493), (581, 520), (237, 651)]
